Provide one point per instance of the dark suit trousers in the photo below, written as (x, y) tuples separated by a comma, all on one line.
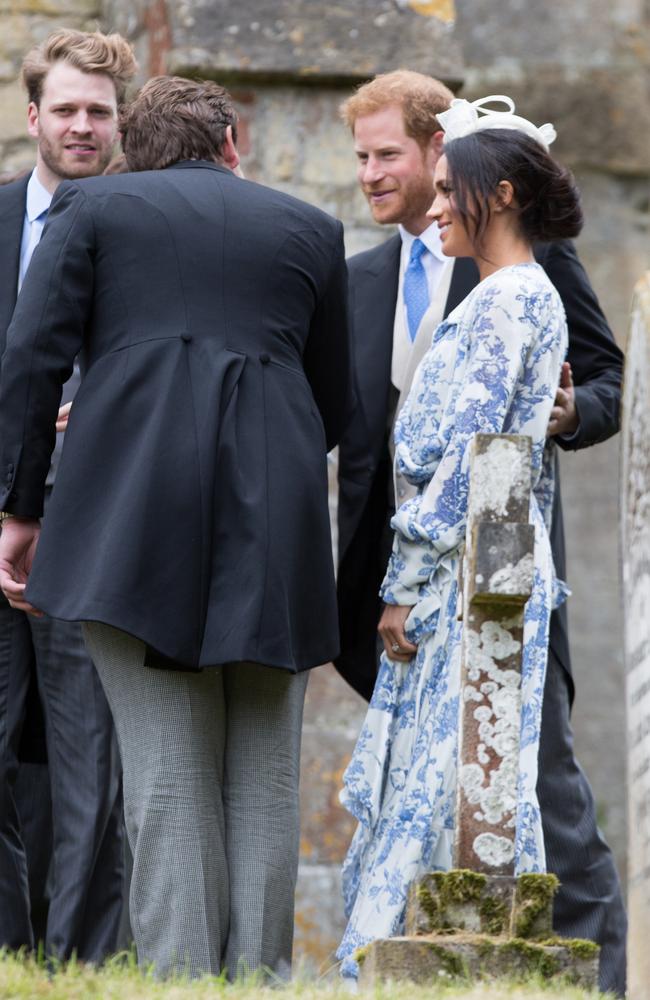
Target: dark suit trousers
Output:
[(589, 903), (85, 879)]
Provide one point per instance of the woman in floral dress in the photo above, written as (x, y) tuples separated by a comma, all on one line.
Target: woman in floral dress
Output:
[(493, 367)]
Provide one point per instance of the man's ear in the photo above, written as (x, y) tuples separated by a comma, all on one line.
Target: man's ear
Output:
[(229, 155), (32, 119), (434, 149)]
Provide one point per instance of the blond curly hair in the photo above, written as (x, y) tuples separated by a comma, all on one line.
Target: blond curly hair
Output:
[(88, 51)]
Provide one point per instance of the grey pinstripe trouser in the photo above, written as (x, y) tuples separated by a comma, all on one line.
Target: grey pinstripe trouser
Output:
[(211, 767)]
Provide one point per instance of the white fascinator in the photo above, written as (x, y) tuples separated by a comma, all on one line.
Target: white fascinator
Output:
[(465, 117)]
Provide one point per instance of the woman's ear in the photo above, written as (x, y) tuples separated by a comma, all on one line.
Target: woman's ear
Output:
[(504, 196)]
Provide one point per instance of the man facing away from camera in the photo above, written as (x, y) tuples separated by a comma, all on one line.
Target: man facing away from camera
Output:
[(190, 504), (399, 292), (74, 81)]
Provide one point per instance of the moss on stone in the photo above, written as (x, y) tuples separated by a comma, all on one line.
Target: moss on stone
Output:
[(533, 897), (451, 963), (580, 948), (441, 890), (494, 914), (460, 885), (429, 904), (361, 954), (533, 957), (485, 948)]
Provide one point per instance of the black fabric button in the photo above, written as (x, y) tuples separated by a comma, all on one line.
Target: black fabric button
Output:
[(264, 358), (10, 467), (187, 337)]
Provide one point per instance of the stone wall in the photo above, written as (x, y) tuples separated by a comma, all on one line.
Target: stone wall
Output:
[(289, 63)]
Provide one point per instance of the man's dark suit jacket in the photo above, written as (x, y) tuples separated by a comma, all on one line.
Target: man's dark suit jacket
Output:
[(12, 217), (13, 197), (364, 464), (190, 507), (12, 214)]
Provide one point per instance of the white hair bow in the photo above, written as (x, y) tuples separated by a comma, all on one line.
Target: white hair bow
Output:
[(464, 117)]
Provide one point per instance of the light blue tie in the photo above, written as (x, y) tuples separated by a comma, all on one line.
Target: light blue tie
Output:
[(415, 289)]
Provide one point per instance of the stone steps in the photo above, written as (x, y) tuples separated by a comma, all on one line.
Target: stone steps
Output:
[(465, 925)]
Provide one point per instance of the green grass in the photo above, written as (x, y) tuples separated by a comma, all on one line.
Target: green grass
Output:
[(23, 978)]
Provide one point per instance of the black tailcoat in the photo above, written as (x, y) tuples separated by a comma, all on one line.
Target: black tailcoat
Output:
[(364, 464), (190, 507)]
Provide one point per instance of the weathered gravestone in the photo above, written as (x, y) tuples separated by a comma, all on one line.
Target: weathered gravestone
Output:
[(636, 600), (479, 920)]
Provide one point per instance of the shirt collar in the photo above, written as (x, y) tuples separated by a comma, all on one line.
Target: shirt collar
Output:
[(430, 237), (38, 198)]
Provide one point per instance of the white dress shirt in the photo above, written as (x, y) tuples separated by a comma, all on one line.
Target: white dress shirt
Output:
[(37, 205), (434, 263)]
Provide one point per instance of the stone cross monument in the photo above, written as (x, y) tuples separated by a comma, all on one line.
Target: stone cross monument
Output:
[(635, 506), (497, 582)]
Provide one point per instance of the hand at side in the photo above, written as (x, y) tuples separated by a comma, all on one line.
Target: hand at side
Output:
[(18, 542), (391, 630)]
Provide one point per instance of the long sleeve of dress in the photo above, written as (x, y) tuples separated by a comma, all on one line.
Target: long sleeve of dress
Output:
[(510, 344)]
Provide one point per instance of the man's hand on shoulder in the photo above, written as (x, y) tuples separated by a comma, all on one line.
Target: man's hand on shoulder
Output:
[(63, 417), (564, 415), (18, 541)]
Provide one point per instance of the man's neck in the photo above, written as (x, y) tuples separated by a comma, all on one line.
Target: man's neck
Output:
[(44, 175)]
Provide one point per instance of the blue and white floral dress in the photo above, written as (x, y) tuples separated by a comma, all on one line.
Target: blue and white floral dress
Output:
[(493, 367)]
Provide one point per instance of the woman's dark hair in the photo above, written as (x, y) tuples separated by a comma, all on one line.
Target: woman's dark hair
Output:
[(546, 195)]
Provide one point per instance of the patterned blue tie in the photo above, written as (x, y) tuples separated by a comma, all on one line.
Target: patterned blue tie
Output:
[(415, 290)]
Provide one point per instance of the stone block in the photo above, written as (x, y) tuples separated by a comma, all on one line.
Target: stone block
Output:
[(285, 39), (435, 959), (460, 900), (463, 901), (502, 565), (500, 478), (59, 9), (586, 104)]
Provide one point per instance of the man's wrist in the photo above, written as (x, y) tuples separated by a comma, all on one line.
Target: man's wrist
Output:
[(6, 515)]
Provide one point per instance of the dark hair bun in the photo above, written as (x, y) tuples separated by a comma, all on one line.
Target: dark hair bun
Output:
[(556, 213)]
